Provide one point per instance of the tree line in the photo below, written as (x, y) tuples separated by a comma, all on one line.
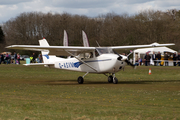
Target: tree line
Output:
[(108, 29)]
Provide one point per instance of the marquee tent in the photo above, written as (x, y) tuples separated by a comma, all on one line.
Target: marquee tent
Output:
[(140, 53)]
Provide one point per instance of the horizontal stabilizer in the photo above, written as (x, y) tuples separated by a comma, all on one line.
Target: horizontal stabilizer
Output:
[(38, 64)]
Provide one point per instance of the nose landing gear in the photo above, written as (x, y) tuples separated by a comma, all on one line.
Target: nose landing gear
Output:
[(115, 80), (112, 79)]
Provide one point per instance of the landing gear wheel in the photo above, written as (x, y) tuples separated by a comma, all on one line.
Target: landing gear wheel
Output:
[(110, 79), (115, 80), (80, 80)]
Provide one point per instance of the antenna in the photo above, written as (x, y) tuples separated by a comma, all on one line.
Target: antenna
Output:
[(98, 43)]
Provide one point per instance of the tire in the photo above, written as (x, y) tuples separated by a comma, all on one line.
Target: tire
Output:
[(80, 80), (110, 79), (115, 80)]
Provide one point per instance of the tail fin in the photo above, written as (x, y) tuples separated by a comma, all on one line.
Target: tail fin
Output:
[(45, 56)]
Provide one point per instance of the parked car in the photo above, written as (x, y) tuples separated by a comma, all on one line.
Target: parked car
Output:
[(23, 57), (12, 57)]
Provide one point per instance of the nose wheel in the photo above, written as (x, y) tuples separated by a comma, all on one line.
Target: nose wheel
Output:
[(112, 79), (115, 80)]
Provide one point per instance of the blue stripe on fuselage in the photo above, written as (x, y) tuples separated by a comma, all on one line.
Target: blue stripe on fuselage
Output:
[(77, 64)]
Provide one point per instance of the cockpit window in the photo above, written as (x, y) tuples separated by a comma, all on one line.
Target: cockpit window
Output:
[(104, 50), (96, 53)]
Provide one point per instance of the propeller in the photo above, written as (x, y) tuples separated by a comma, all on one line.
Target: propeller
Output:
[(129, 63), (125, 58)]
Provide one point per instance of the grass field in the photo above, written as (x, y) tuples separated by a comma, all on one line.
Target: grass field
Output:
[(40, 93)]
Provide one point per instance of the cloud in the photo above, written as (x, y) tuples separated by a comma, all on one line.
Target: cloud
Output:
[(11, 2), (91, 8), (167, 3), (130, 2), (83, 3)]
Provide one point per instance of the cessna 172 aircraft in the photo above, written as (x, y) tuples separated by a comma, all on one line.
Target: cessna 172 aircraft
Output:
[(100, 60)]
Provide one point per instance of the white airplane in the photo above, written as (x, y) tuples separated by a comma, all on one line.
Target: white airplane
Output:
[(101, 60)]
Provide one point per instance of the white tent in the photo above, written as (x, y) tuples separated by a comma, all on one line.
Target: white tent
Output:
[(140, 53)]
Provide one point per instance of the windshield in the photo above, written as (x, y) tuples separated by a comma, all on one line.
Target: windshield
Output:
[(104, 50)]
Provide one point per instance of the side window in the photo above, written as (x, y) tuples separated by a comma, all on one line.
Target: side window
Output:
[(91, 55), (96, 53)]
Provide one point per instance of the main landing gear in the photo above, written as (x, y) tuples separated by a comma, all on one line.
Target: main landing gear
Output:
[(112, 79), (81, 78)]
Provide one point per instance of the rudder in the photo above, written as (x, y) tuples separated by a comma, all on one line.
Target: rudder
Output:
[(45, 55)]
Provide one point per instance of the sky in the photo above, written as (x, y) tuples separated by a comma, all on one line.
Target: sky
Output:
[(91, 8)]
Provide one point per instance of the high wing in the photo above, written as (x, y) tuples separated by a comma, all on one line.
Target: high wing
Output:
[(75, 50), (54, 50)]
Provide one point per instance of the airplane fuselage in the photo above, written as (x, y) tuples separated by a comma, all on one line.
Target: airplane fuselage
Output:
[(105, 63)]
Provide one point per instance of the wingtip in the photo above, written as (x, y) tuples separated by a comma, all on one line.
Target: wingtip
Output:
[(8, 46)]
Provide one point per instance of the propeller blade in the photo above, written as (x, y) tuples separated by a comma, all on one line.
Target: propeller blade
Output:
[(125, 58), (129, 63), (122, 57)]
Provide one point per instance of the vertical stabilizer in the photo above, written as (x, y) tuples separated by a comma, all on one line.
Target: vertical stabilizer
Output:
[(85, 39), (65, 39), (45, 56)]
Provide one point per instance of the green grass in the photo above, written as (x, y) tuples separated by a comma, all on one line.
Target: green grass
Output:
[(40, 93)]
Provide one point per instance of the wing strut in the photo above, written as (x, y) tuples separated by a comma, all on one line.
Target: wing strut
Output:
[(81, 61)]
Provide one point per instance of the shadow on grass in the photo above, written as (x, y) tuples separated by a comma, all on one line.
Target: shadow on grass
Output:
[(147, 81), (88, 82)]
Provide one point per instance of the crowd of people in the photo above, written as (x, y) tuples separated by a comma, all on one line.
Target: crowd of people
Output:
[(15, 59), (157, 59), (10, 59)]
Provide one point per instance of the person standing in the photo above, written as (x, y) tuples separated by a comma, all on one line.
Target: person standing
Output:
[(40, 58), (2, 59), (18, 58), (7, 58), (166, 56), (174, 58), (178, 58), (33, 59), (147, 58), (140, 61), (159, 58), (15, 57), (154, 58)]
